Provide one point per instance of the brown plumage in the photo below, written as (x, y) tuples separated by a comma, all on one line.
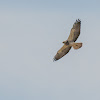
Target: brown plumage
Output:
[(70, 42)]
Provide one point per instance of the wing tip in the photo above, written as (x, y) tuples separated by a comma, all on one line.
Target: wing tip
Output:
[(78, 21), (54, 59)]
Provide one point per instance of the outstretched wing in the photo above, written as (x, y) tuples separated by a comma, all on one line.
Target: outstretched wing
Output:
[(75, 31), (63, 51)]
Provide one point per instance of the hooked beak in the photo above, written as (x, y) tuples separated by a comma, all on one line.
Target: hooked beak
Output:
[(64, 42)]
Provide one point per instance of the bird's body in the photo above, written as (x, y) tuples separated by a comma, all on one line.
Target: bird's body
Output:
[(70, 42)]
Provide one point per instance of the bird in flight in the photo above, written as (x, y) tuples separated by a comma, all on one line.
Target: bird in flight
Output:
[(70, 42)]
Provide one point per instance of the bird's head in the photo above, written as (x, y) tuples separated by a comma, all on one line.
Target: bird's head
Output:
[(64, 42)]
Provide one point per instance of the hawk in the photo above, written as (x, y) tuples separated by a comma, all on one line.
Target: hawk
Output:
[(70, 42)]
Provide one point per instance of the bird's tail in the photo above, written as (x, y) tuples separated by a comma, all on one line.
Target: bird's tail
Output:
[(77, 45)]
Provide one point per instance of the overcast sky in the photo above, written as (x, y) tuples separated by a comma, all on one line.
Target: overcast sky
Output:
[(31, 32)]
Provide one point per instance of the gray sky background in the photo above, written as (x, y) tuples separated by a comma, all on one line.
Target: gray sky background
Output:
[(31, 32)]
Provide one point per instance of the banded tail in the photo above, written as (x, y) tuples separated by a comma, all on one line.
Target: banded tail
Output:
[(77, 45)]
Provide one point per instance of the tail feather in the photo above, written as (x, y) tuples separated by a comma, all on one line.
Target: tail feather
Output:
[(77, 45)]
